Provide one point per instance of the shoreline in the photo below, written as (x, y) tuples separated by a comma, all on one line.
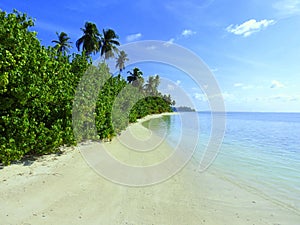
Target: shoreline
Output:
[(65, 189)]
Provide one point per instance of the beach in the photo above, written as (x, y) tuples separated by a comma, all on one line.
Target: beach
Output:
[(64, 189)]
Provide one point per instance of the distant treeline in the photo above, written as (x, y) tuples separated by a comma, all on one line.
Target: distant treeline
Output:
[(39, 92), (183, 109)]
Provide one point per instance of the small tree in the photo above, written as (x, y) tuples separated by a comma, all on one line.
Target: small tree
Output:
[(122, 58), (135, 76), (90, 40), (108, 43), (63, 43)]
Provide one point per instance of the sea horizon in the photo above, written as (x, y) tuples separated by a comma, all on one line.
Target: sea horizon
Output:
[(207, 111)]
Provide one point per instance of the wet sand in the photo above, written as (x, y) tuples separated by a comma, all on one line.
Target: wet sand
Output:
[(66, 190)]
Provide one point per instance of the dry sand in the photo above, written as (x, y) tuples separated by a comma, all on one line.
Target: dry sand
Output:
[(65, 190)]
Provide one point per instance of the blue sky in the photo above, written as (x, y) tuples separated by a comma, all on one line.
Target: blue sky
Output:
[(252, 47)]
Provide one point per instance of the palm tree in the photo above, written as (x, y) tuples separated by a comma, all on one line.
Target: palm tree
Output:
[(152, 85), (149, 86), (122, 57), (135, 78), (108, 43), (63, 43), (168, 99), (156, 83), (90, 39)]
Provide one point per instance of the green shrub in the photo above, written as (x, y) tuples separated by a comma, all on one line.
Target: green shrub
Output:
[(49, 99)]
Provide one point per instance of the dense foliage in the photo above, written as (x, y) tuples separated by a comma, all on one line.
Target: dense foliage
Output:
[(114, 106), (38, 86)]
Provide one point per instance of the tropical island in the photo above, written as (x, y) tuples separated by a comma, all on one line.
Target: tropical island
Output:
[(38, 85), (183, 109)]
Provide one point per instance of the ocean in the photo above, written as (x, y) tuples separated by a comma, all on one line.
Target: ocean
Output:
[(260, 151)]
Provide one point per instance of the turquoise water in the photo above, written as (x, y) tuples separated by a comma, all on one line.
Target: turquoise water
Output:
[(260, 151)]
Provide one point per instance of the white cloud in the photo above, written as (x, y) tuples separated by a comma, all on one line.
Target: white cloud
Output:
[(238, 85), (133, 37), (244, 86), (173, 86), (170, 87), (184, 34), (201, 97), (287, 7), (214, 70), (249, 27), (187, 33), (276, 84), (169, 42)]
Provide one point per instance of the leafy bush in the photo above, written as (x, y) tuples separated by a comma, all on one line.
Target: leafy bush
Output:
[(37, 89), (44, 94)]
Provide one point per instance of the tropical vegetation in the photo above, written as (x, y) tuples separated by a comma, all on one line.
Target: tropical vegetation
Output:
[(44, 99), (62, 44), (122, 58), (90, 40)]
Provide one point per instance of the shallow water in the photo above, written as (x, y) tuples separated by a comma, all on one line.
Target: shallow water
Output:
[(260, 151)]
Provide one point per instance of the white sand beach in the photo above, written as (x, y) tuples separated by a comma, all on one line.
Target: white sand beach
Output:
[(65, 190)]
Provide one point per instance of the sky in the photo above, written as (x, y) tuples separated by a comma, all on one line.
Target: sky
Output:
[(252, 48)]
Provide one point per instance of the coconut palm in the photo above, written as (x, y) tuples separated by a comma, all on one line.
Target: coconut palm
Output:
[(122, 57), (135, 75), (90, 39), (152, 85), (156, 84), (148, 85), (108, 43), (63, 43)]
